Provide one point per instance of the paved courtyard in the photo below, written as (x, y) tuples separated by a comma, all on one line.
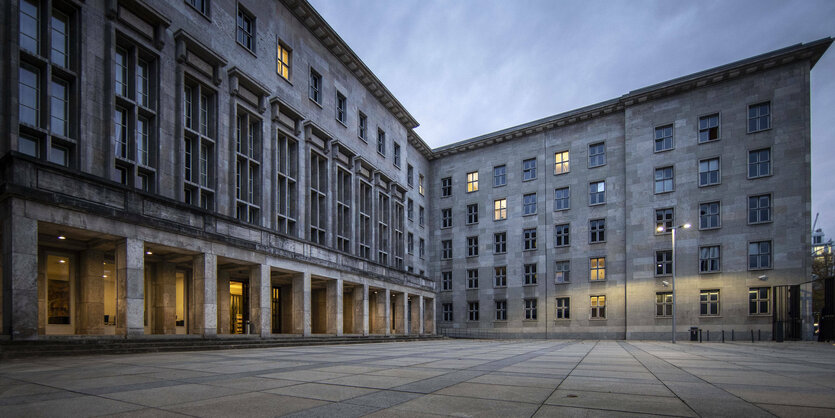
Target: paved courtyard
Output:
[(453, 377)]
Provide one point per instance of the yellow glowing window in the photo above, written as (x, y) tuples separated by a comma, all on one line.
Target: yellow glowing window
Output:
[(597, 268), (283, 61), (561, 162), (420, 184), (500, 209), (598, 307), (472, 182)]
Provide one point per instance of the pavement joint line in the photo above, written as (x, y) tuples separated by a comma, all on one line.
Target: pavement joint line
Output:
[(563, 380), (699, 378)]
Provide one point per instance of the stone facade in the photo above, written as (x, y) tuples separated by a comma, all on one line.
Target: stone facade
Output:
[(220, 167)]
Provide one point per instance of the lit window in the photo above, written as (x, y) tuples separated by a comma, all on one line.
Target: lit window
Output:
[(420, 184), (597, 268), (499, 209), (283, 61), (598, 307), (561, 162), (472, 182)]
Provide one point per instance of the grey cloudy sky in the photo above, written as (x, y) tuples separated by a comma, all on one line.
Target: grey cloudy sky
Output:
[(469, 67)]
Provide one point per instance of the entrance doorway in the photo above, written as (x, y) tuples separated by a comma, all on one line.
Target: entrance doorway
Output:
[(788, 324), (60, 286), (275, 310), (238, 307), (181, 301)]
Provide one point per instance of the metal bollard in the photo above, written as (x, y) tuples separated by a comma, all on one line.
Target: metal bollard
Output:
[(759, 335), (732, 336), (700, 335), (723, 335), (708, 335), (752, 336)]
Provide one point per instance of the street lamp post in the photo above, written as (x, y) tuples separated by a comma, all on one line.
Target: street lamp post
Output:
[(673, 281)]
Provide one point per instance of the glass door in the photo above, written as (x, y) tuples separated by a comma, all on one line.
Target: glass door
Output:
[(181, 301), (59, 290)]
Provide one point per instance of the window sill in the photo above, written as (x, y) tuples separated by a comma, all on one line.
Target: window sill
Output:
[(530, 320), (760, 177), (499, 185), (530, 285), (499, 220), (529, 250), (760, 223), (315, 102), (597, 281), (561, 210), (362, 139), (597, 166), (760, 130), (710, 272), (564, 172), (760, 315), (761, 269), (663, 150), (529, 214), (597, 204), (559, 283), (247, 49), (710, 316), (341, 122), (442, 197), (664, 192), (711, 228), (562, 246), (597, 319), (527, 180), (203, 15), (596, 242), (471, 223), (708, 141)]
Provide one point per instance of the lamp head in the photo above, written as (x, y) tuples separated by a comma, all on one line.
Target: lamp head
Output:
[(686, 226), (660, 228)]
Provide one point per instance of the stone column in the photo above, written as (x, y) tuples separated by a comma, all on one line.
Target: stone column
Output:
[(360, 310), (130, 287), (91, 293), (165, 299), (301, 304), (401, 305), (333, 295), (20, 273), (205, 295), (259, 284), (387, 311), (223, 324), (421, 313)]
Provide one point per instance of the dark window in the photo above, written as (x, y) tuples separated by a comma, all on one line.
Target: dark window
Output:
[(664, 138), (664, 219), (709, 215), (709, 303), (446, 218), (472, 213), (758, 300), (501, 310), (664, 304), (362, 127), (597, 155), (562, 270), (500, 276), (446, 280), (529, 236), (447, 307), (472, 279), (499, 176), (341, 107), (472, 246), (663, 180), (759, 117), (759, 209), (446, 250), (759, 163), (500, 242), (530, 309), (709, 172), (563, 308), (246, 29), (709, 128), (759, 255), (315, 90), (561, 234), (597, 230), (529, 204), (663, 263), (529, 169), (446, 187), (562, 199), (709, 259), (396, 154), (381, 142), (530, 273), (472, 311)]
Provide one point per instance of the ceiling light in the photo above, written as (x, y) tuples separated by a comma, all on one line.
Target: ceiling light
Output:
[(61, 236), (149, 253), (104, 275), (62, 261)]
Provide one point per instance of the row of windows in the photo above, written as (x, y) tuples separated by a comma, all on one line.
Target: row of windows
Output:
[(759, 301), (759, 119), (759, 165)]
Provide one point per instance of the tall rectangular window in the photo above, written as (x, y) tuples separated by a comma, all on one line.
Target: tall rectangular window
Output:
[(663, 263), (663, 138), (396, 154), (530, 309), (562, 269), (709, 257), (499, 175), (29, 92), (597, 268), (709, 215), (759, 117), (563, 308), (120, 122), (500, 243), (248, 167), (398, 223), (561, 162), (709, 302), (364, 228), (597, 231), (446, 249), (530, 273), (472, 214), (597, 193), (421, 216), (562, 199), (60, 53), (446, 280), (759, 163), (121, 71), (30, 26), (318, 205), (529, 169), (500, 276), (362, 126), (529, 204), (501, 310), (341, 108), (446, 218), (381, 142), (286, 167), (759, 209), (410, 243), (472, 311), (472, 279), (383, 222), (59, 108), (447, 312), (561, 236), (597, 154), (410, 209), (143, 83), (410, 175), (663, 304), (598, 307), (472, 182), (421, 248), (472, 246), (446, 187), (420, 184), (343, 210), (282, 61), (663, 180), (664, 219), (529, 239), (709, 128), (499, 209), (758, 300), (759, 255), (315, 87), (246, 29), (709, 172)]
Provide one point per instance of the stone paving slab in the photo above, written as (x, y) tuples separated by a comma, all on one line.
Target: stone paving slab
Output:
[(434, 378)]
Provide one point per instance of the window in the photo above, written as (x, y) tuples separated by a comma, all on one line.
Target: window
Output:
[(286, 191), (365, 227), (472, 279), (500, 276), (500, 242), (759, 209), (562, 268), (664, 218), (598, 307), (709, 259), (29, 95), (530, 273), (709, 128), (318, 188), (663, 263), (446, 218), (597, 231), (248, 177), (709, 215), (396, 154), (663, 180), (759, 255), (758, 300), (59, 108), (597, 268), (28, 146), (447, 309), (563, 309), (472, 182), (664, 138), (499, 176), (759, 163), (664, 304), (499, 209), (410, 209), (398, 235), (597, 154), (362, 126), (202, 6), (597, 193), (529, 237), (342, 109), (472, 311), (472, 246), (561, 162), (29, 26), (446, 187), (315, 88), (381, 142), (60, 39), (709, 303), (421, 216), (410, 243), (410, 175), (420, 184), (529, 169), (472, 213), (282, 61), (562, 199), (446, 280), (501, 310), (561, 236), (421, 248), (709, 172), (446, 249), (246, 29), (530, 309), (759, 117), (529, 204), (383, 220)]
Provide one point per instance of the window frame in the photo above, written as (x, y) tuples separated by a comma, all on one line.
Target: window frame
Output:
[(562, 308), (501, 210), (500, 246), (709, 260), (668, 224), (562, 165), (446, 187), (315, 88), (596, 156), (664, 262), (665, 303), (501, 310), (472, 246), (718, 171), (472, 279), (758, 300), (472, 311), (663, 138), (447, 314), (529, 239), (280, 64), (528, 205), (446, 281), (770, 208), (597, 231), (567, 198), (595, 269), (597, 312), (530, 309), (341, 108), (472, 215), (770, 163), (566, 273), (759, 254), (472, 181), (446, 218), (529, 274), (502, 176), (500, 279), (249, 36), (663, 180), (529, 169), (759, 116), (718, 215), (597, 193), (708, 302), (562, 235), (699, 128)]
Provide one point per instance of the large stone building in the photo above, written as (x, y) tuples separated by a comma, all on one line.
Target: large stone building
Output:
[(223, 167)]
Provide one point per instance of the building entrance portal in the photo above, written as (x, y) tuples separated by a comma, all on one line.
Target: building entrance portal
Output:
[(238, 307)]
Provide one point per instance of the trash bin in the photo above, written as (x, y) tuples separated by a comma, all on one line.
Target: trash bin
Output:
[(694, 333)]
